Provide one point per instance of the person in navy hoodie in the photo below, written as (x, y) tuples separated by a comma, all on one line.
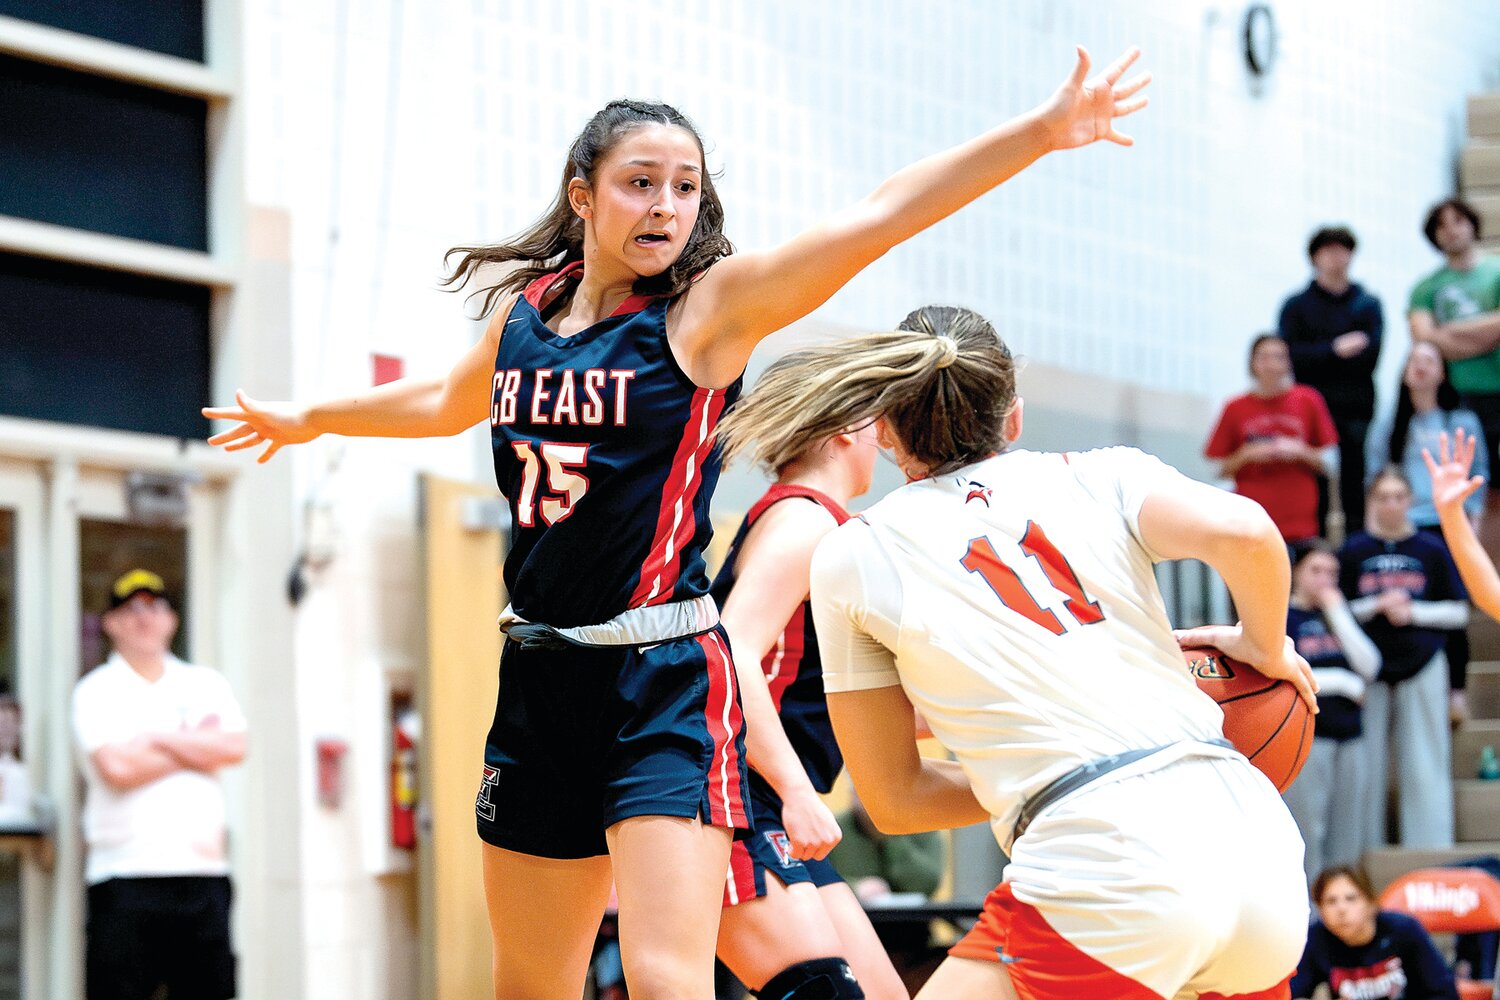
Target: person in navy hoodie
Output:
[(1403, 588), (1365, 953), (1344, 661)]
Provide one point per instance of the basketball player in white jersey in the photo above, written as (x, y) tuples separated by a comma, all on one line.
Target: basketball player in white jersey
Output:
[(1009, 596)]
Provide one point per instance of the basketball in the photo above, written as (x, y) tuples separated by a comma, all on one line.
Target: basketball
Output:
[(1265, 719)]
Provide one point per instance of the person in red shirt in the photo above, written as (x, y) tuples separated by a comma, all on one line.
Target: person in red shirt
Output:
[(1271, 441)]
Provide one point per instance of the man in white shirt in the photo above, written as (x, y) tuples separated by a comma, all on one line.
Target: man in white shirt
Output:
[(152, 733)]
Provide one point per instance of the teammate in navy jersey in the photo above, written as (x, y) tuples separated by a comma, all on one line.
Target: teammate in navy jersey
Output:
[(786, 908), (1328, 797), (1365, 953), (618, 725)]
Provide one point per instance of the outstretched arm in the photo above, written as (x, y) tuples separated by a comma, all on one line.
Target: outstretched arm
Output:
[(404, 408), (744, 298), (1451, 486)]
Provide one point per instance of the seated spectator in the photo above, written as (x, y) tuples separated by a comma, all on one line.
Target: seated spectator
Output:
[(1344, 660), (1427, 407), (1457, 309), (1332, 328), (1404, 589), (1360, 950), (1271, 441)]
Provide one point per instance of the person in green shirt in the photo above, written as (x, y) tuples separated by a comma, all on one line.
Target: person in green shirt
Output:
[(1457, 308)]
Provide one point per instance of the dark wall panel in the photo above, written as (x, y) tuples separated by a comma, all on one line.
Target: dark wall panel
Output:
[(87, 346), (96, 154), (172, 27)]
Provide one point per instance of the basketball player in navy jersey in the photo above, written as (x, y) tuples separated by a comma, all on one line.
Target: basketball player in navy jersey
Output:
[(613, 350), (784, 908)]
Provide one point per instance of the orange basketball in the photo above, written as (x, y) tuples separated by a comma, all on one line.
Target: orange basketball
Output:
[(1265, 719)]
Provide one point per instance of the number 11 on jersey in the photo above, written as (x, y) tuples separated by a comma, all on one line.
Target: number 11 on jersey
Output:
[(1006, 582)]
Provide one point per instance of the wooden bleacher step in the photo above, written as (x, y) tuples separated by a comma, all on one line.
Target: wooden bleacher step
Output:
[(1477, 807), (1469, 742), (1479, 168), (1483, 690), (1484, 116), (1384, 865)]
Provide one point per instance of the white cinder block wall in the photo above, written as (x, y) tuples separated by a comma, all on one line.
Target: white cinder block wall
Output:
[(391, 130)]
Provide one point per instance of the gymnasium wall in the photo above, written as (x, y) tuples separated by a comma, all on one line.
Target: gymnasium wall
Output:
[(1131, 280)]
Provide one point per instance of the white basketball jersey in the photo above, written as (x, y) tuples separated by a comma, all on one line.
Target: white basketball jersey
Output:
[(1015, 603)]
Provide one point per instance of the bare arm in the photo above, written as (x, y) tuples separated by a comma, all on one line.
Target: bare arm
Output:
[(1191, 520), (731, 310), (1451, 485), (203, 749), (903, 791), (405, 408), (1468, 337), (133, 763), (771, 582)]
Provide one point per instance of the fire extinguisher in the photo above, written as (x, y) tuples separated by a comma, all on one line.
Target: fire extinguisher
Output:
[(404, 780)]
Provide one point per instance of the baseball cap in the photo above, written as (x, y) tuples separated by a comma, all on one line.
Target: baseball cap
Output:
[(136, 581)]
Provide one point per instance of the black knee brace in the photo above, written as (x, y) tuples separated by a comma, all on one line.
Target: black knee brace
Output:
[(817, 979)]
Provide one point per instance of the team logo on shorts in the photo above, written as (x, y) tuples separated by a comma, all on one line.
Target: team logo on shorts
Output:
[(782, 845), (484, 805), (980, 492)]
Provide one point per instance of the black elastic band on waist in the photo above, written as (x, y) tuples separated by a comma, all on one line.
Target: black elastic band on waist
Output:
[(1081, 775)]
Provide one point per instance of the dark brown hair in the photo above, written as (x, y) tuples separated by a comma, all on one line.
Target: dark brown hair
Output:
[(1331, 236), (1327, 875), (1430, 227), (556, 239)]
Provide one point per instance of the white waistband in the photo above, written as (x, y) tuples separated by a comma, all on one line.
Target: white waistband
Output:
[(642, 626)]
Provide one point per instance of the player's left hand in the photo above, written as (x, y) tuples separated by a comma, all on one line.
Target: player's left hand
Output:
[(1084, 111), (1279, 664), (809, 825)]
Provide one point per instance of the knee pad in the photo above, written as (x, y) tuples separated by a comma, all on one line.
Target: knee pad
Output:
[(817, 979)]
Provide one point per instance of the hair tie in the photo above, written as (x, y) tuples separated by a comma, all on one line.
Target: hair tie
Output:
[(947, 352)]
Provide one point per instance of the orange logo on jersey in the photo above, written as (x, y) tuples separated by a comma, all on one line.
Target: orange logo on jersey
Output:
[(979, 492), (1208, 667)]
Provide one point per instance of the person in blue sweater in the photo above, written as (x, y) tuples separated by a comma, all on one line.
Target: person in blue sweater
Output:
[(1427, 408), (1365, 953), (1332, 329), (1402, 586), (1343, 659)]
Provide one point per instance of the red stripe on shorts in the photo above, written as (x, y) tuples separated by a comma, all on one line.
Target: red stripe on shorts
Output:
[(726, 806), (740, 886), (675, 523)]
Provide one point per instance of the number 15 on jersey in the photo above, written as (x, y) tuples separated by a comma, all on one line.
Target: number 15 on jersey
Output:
[(982, 558)]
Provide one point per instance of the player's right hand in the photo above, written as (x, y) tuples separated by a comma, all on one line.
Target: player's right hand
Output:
[(809, 825), (1279, 664), (272, 424)]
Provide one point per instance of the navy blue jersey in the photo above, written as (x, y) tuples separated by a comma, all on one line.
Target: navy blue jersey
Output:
[(1419, 565), (1338, 717), (793, 669), (605, 449), (1400, 963)]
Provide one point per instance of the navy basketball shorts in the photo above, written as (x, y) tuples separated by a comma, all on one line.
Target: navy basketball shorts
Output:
[(585, 737), (767, 849)]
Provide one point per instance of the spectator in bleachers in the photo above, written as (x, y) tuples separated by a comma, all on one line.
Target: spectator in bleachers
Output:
[(1457, 308), (1404, 589), (1332, 329), (1427, 407), (1271, 440), (1323, 798), (1360, 950)]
